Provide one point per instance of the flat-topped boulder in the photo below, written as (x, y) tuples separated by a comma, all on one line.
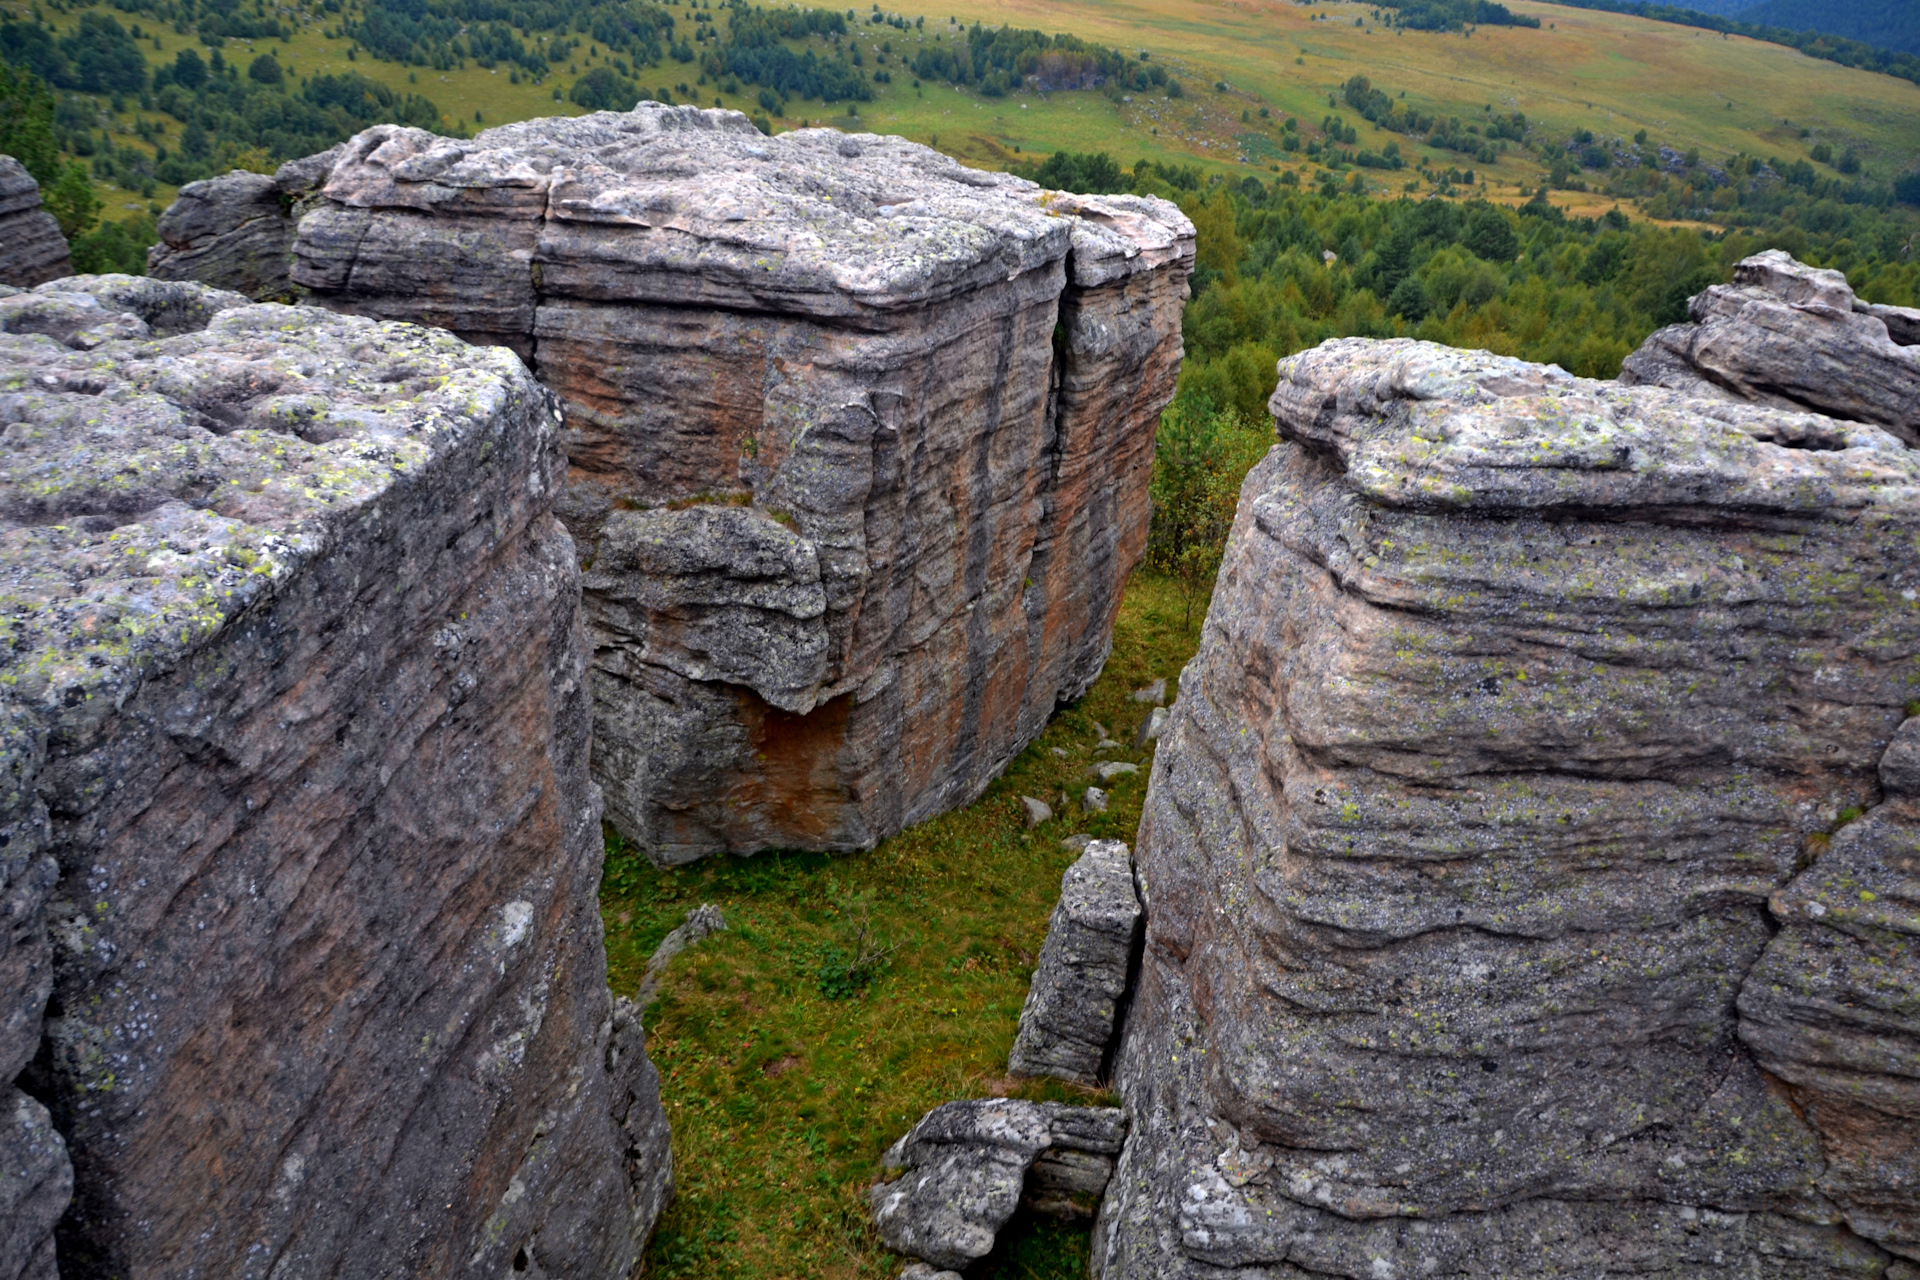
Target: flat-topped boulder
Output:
[(1508, 915), (858, 438), (301, 851)]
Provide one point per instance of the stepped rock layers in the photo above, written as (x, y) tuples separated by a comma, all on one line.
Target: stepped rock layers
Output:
[(1497, 927), (301, 854), (236, 231), (859, 439), (1073, 1002), (32, 250)]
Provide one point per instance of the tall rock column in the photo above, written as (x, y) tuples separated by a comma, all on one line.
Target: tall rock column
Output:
[(1522, 702), (32, 250), (302, 855), (858, 438)]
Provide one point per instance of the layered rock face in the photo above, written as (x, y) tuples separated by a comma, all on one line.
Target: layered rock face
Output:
[(1499, 924), (1085, 965), (32, 250), (859, 439), (236, 231), (302, 946)]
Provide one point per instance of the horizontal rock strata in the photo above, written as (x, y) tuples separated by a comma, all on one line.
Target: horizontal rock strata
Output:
[(236, 231), (301, 853), (859, 439), (32, 250), (1074, 1001), (967, 1166), (1794, 336), (1498, 924)]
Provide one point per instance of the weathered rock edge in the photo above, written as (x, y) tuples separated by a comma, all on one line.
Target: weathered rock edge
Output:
[(298, 833), (967, 1166), (1074, 1002), (1484, 939), (859, 439), (32, 250)]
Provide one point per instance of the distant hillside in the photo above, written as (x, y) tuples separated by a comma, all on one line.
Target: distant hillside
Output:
[(1889, 24), (1816, 41), (1722, 8)]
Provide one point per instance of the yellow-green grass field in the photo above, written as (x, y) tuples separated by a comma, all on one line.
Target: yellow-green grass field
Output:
[(1609, 73)]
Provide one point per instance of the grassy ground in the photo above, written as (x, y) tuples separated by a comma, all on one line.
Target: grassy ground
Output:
[(781, 1097)]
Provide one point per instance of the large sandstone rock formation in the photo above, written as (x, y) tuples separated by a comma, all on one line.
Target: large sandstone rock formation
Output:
[(859, 439), (32, 250), (300, 852), (1073, 1003), (1508, 911)]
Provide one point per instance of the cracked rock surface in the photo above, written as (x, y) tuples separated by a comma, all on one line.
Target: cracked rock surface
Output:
[(301, 855), (967, 1166), (1074, 1001), (32, 250), (859, 439), (1499, 926)]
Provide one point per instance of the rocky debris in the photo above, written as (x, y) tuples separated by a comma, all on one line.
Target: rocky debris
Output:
[(1792, 336), (299, 833), (1156, 693), (701, 923), (1109, 744), (966, 1167), (1077, 842), (1108, 770), (236, 231), (1483, 938), (32, 250), (1038, 811), (1073, 1004), (921, 1271), (859, 438), (1151, 728), (1094, 800)]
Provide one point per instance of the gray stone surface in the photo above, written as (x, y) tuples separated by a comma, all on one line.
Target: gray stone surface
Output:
[(859, 438), (701, 923), (1477, 846), (299, 829), (32, 250), (965, 1168), (236, 231), (1073, 1003), (1793, 336)]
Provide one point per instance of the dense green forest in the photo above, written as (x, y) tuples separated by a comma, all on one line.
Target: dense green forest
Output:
[(1281, 269)]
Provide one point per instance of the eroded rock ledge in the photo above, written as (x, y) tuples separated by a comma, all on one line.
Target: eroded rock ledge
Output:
[(32, 250), (1508, 914), (299, 856), (859, 439)]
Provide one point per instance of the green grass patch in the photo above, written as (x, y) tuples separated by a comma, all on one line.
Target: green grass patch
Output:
[(784, 1082)]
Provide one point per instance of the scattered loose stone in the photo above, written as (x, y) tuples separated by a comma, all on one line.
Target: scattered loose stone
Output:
[(1074, 1000), (1038, 811), (700, 923), (1095, 800), (1061, 752), (1108, 770), (921, 1271), (1077, 842), (1108, 744), (965, 1169), (1151, 728), (1155, 693)]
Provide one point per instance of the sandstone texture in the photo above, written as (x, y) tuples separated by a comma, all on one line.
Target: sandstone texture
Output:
[(1074, 1002), (1511, 907), (302, 962), (32, 250), (236, 231), (967, 1166), (1794, 336), (859, 439)]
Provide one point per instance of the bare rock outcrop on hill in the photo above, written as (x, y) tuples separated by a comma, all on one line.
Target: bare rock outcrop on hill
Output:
[(859, 439), (32, 250), (301, 946), (1790, 335), (1497, 921), (1073, 1004), (236, 231)]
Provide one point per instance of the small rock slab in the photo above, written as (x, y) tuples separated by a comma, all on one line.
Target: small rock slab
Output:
[(1074, 1001), (967, 1168)]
